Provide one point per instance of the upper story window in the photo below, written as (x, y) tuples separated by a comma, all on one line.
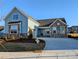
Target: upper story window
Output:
[(15, 17), (54, 28)]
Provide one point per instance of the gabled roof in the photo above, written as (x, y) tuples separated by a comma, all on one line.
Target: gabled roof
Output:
[(22, 12), (47, 22), (19, 10), (32, 19), (75, 26)]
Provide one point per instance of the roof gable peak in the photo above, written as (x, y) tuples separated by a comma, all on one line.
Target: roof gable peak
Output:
[(17, 9)]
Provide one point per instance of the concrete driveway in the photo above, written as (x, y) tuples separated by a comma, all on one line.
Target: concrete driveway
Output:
[(60, 43)]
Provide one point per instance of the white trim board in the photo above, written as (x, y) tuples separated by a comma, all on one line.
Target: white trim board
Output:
[(56, 20)]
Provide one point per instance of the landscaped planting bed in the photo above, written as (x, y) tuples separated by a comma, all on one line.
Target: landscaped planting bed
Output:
[(22, 45)]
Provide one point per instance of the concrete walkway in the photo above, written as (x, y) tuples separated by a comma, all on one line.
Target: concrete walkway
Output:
[(44, 54)]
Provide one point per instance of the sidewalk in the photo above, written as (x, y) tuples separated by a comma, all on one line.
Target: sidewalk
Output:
[(45, 54)]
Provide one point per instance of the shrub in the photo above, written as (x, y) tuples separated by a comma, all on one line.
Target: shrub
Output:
[(42, 44), (30, 36)]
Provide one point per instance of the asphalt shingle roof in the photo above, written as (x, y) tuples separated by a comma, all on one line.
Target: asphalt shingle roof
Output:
[(47, 22)]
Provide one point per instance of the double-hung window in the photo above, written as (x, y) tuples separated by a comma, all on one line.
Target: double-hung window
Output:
[(15, 17)]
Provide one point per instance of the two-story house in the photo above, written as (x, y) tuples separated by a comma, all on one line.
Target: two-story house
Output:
[(17, 22)]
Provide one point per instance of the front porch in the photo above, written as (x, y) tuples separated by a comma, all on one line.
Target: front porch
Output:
[(15, 30), (51, 31)]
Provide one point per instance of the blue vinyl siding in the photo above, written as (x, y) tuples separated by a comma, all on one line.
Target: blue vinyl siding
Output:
[(21, 17)]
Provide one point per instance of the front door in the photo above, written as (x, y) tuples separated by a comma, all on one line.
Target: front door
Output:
[(58, 29), (14, 29), (54, 31)]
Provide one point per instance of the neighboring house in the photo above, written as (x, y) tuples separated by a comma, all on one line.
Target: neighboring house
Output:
[(73, 29), (68, 30), (52, 28), (17, 22)]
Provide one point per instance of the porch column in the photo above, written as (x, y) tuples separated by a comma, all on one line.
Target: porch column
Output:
[(9, 30), (50, 31), (65, 31), (35, 32), (18, 30)]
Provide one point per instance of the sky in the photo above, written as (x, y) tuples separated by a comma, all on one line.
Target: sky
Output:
[(43, 9)]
